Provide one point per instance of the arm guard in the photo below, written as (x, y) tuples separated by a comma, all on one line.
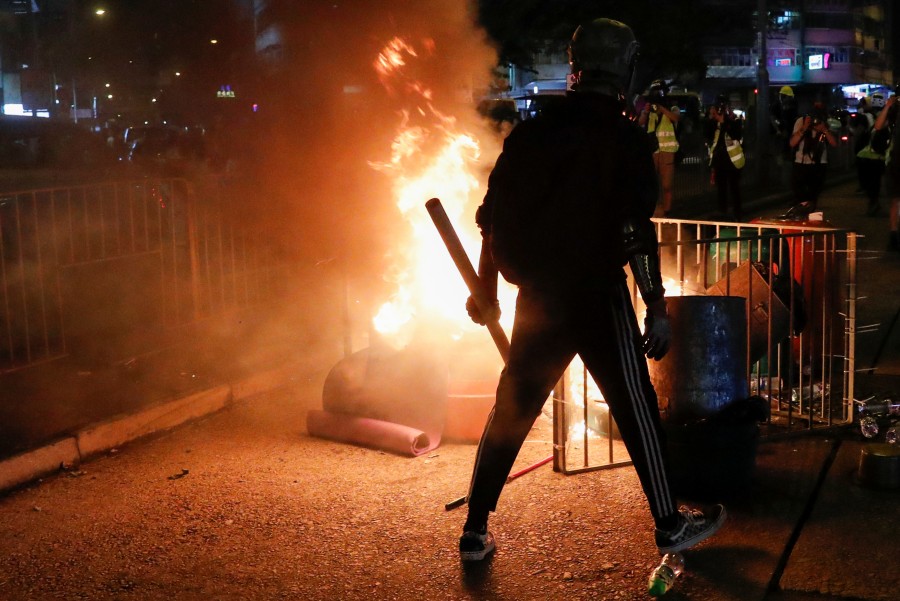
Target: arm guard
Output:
[(642, 251), (645, 268)]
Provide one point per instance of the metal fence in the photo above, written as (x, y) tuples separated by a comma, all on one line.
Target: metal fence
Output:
[(117, 268), (799, 282)]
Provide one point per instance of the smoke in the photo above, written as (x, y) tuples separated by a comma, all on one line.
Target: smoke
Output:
[(328, 118), (310, 201)]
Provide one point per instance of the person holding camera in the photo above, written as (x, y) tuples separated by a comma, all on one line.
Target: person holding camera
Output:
[(810, 142), (887, 122), (726, 156), (660, 122)]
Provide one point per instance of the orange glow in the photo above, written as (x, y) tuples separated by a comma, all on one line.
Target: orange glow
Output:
[(430, 157)]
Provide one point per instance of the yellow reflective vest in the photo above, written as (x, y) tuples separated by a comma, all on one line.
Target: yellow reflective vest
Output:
[(735, 151), (665, 131)]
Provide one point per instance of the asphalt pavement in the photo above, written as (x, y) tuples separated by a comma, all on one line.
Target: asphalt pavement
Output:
[(806, 529)]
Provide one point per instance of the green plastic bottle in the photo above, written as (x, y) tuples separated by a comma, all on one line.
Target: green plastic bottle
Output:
[(663, 577)]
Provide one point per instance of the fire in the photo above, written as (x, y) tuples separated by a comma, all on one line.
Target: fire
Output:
[(430, 157)]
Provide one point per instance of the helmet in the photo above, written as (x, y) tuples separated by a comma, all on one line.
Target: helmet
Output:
[(877, 100), (786, 91), (658, 89), (603, 52)]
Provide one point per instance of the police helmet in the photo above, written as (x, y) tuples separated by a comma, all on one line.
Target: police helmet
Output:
[(603, 52)]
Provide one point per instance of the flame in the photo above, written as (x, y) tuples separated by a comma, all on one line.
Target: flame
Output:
[(430, 157), (581, 389), (392, 59)]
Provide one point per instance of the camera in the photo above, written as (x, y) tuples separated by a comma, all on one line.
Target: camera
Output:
[(816, 121)]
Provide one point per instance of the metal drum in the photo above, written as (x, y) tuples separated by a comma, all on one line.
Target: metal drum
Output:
[(705, 368)]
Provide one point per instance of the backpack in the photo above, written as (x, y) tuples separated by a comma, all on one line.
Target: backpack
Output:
[(522, 210), (545, 224)]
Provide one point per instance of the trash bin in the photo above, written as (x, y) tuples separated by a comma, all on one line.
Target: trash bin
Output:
[(712, 460), (705, 368), (711, 426), (815, 269)]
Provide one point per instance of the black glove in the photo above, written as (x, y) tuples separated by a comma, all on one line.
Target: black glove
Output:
[(475, 313), (657, 331)]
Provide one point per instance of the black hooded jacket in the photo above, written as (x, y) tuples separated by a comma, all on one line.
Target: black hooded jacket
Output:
[(562, 190)]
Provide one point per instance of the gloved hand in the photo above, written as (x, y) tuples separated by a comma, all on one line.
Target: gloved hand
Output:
[(475, 313), (657, 331)]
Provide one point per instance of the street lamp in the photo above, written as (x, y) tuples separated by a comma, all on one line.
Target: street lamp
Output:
[(762, 96)]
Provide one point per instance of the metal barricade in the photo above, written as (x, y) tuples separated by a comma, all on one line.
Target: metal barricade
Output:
[(799, 280), (118, 268)]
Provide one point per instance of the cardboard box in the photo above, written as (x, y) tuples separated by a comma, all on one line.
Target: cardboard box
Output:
[(748, 283)]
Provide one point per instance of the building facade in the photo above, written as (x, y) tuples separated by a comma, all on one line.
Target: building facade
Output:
[(821, 48), (836, 51)]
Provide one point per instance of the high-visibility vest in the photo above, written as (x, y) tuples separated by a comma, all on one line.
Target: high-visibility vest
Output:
[(869, 153), (735, 152), (665, 132)]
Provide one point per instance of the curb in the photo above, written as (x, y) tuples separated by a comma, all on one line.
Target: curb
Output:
[(95, 439)]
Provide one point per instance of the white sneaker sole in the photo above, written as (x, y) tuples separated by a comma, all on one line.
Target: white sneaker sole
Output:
[(697, 538), (479, 555)]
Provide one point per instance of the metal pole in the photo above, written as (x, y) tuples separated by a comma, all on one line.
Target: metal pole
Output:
[(467, 271), (762, 99)]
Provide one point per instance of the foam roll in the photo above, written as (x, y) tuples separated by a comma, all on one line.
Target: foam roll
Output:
[(368, 432)]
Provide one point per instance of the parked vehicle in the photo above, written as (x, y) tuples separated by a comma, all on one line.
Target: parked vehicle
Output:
[(31, 142), (38, 153)]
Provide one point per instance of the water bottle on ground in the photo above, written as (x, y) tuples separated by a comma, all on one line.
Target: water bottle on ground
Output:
[(662, 579), (869, 426), (892, 436)]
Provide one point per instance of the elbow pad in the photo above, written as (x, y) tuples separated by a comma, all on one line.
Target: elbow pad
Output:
[(639, 238)]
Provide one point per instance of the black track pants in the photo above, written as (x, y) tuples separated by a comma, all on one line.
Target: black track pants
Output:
[(549, 329)]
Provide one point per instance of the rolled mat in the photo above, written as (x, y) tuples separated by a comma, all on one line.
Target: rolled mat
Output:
[(369, 432)]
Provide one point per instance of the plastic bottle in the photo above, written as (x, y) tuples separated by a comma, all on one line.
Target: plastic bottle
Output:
[(662, 579), (868, 426), (893, 434)]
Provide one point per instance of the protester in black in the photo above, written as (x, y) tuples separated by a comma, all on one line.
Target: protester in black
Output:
[(887, 124), (569, 203)]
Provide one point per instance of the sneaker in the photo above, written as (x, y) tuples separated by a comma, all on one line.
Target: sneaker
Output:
[(475, 546), (693, 527)]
